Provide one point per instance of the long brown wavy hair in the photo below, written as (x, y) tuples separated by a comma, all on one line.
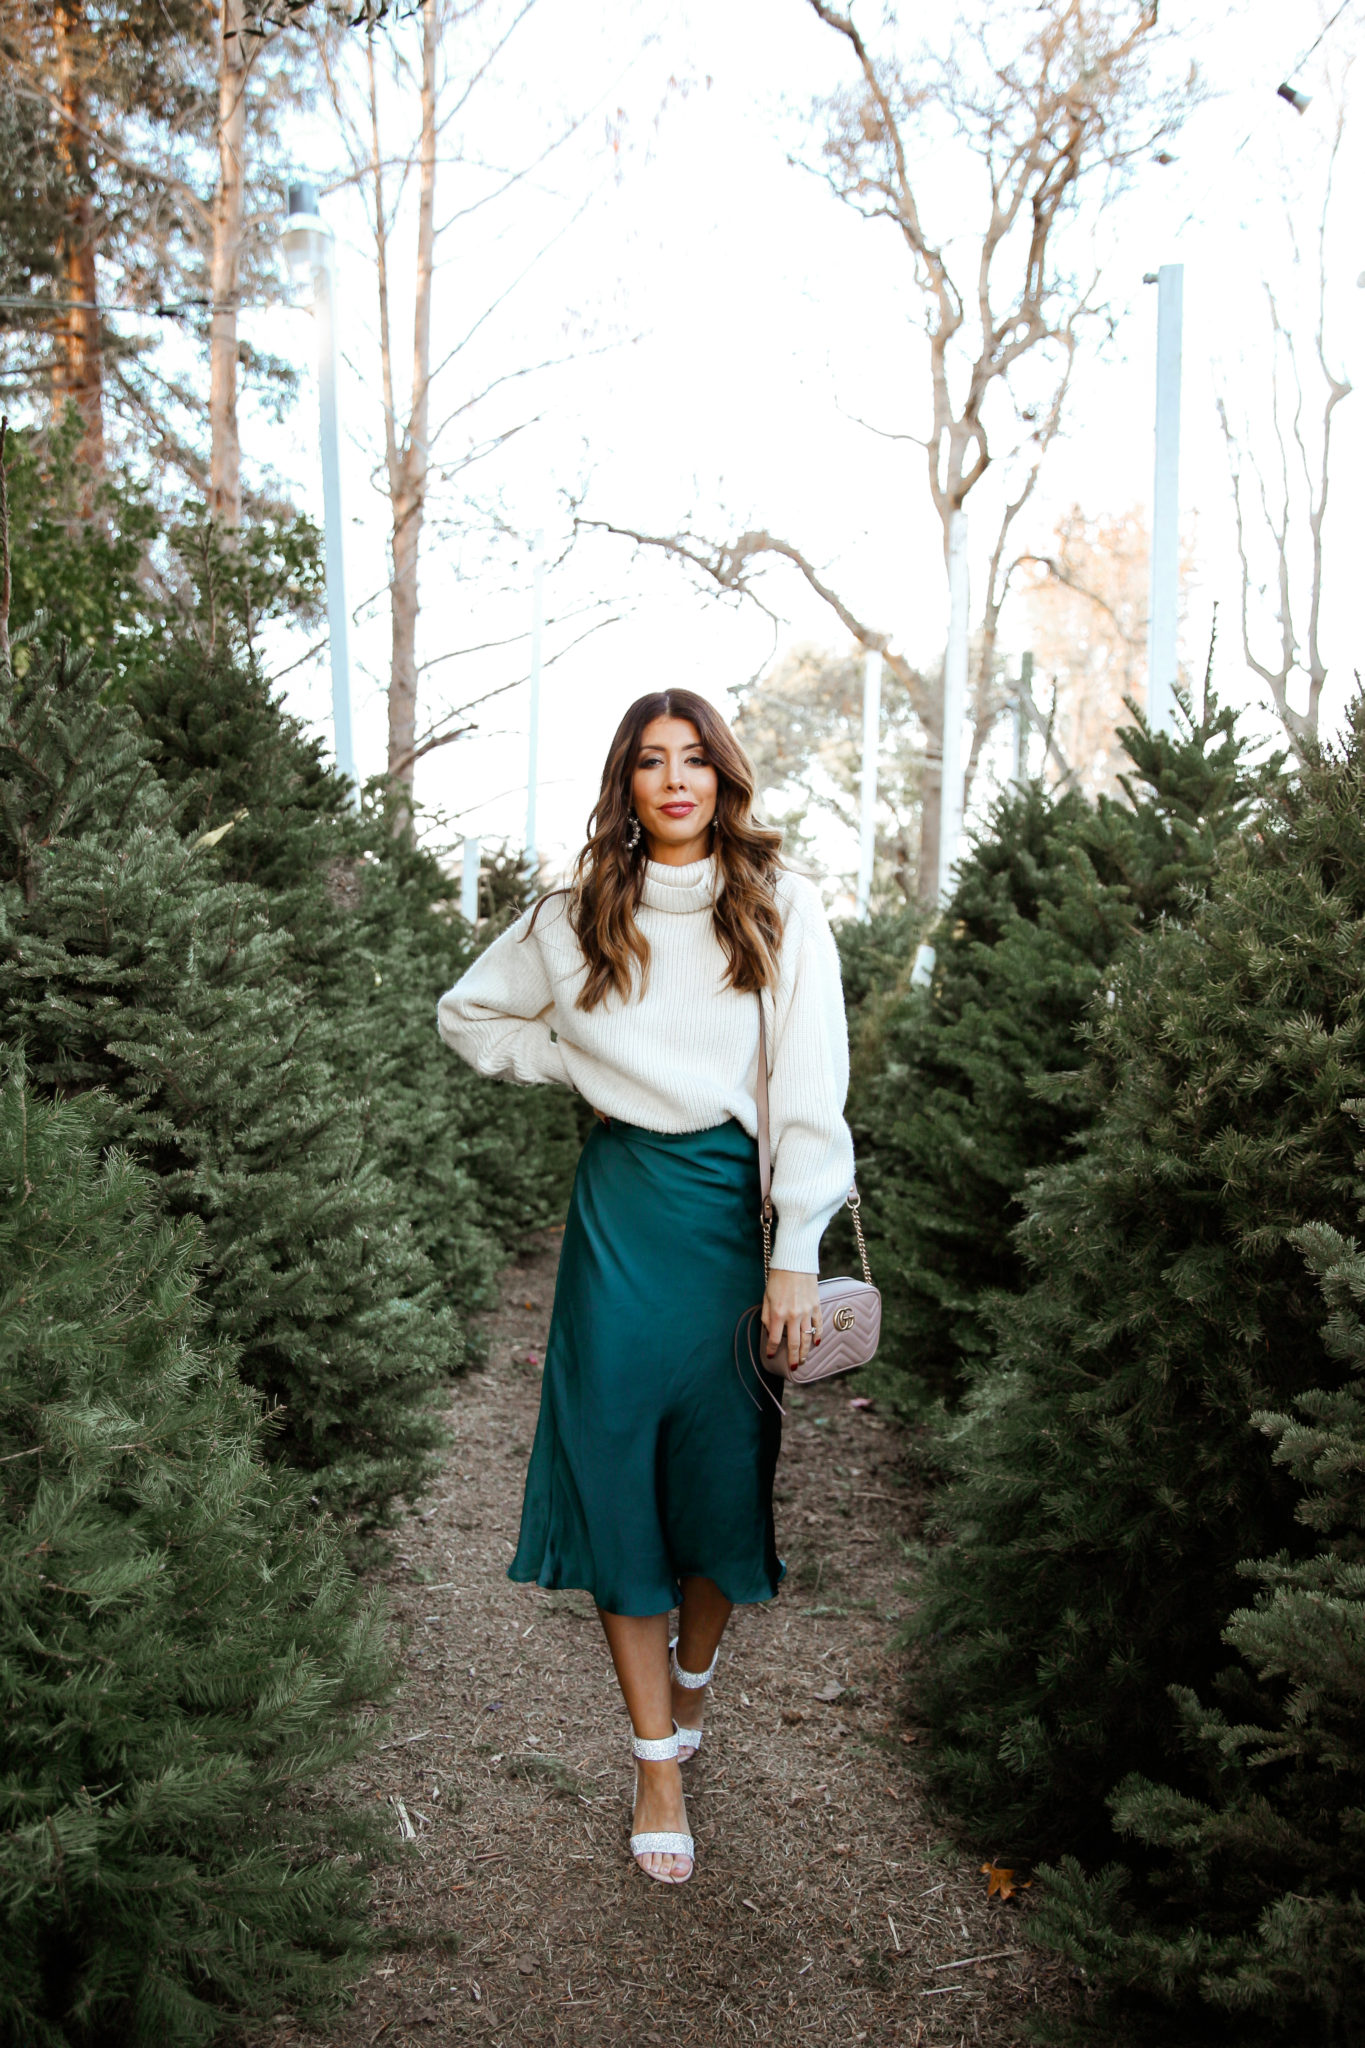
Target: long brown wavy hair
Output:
[(609, 878)]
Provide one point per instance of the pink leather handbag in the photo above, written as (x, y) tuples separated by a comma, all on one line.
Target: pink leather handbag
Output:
[(850, 1310)]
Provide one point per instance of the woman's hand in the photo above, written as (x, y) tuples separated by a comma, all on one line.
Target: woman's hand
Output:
[(791, 1304)]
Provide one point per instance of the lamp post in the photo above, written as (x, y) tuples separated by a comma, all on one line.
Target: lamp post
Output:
[(1163, 660), (954, 703), (533, 744), (867, 836), (308, 246), (1021, 720), (469, 882)]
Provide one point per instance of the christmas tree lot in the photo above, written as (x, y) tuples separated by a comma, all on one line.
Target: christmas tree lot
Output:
[(1112, 1484), (1250, 1911), (252, 1206), (183, 1652), (132, 970), (960, 1092), (375, 930)]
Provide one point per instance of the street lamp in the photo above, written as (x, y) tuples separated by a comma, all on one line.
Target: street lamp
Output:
[(1163, 626), (533, 751), (308, 246), (867, 822)]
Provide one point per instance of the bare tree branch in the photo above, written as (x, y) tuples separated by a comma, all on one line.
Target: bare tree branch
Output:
[(1068, 101), (727, 565), (1309, 457), (436, 737)]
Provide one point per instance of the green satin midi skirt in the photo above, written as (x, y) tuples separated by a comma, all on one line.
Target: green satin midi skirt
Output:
[(653, 1461)]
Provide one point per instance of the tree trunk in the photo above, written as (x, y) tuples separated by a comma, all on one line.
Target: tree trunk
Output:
[(408, 465), (78, 374), (225, 463)]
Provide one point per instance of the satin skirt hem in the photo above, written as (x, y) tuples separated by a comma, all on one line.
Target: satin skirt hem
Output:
[(638, 1605)]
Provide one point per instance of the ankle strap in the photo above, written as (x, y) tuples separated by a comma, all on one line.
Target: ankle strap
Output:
[(693, 1681), (655, 1752)]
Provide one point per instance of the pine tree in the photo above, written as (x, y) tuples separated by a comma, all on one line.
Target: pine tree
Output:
[(183, 1653), (131, 967), (1251, 1912), (375, 936), (1107, 1481), (965, 1094)]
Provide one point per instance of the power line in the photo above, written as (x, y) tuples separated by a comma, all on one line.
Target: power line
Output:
[(1230, 162), (1317, 39)]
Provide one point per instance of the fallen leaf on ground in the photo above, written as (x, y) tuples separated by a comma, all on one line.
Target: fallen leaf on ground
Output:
[(1002, 1881), (829, 1692), (860, 1401)]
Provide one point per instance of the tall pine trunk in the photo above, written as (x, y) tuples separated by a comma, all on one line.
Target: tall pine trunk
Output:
[(408, 456), (225, 460), (78, 373)]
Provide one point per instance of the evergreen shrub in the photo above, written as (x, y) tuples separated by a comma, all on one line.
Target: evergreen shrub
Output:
[(375, 936), (960, 1092), (183, 1653), (1108, 1480), (132, 969), (1250, 1912), (87, 572)]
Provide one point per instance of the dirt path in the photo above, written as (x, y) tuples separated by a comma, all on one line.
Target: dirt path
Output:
[(826, 1906)]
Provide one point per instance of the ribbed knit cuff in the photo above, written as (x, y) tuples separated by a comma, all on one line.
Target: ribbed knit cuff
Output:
[(796, 1246)]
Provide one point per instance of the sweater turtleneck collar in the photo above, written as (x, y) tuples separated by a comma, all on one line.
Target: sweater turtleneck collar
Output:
[(693, 886)]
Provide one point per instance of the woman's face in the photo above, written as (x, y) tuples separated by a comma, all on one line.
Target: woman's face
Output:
[(674, 790)]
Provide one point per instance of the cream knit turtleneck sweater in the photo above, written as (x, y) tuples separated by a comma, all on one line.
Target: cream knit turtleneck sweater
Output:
[(683, 1056)]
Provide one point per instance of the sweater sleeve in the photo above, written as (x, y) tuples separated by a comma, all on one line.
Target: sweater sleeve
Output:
[(812, 1146), (497, 1016)]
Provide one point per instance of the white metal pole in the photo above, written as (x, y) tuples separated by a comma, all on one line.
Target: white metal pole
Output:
[(338, 624), (954, 701), (872, 726), (1164, 604), (1021, 718), (532, 762), (469, 882)]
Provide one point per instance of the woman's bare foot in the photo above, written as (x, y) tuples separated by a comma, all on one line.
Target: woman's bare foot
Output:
[(660, 1810)]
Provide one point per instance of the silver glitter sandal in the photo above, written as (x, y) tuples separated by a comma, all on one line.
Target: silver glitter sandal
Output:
[(659, 1843), (690, 1681)]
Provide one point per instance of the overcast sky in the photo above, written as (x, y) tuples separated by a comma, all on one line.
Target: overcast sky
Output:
[(723, 320)]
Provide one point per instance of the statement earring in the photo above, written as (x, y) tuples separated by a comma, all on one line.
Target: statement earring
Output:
[(632, 833)]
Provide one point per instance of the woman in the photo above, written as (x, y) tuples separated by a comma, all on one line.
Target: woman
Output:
[(650, 1481)]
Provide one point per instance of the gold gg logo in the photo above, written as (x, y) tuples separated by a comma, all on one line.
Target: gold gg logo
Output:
[(843, 1319)]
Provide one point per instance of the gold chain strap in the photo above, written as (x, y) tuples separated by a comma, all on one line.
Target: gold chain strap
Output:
[(855, 1203)]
